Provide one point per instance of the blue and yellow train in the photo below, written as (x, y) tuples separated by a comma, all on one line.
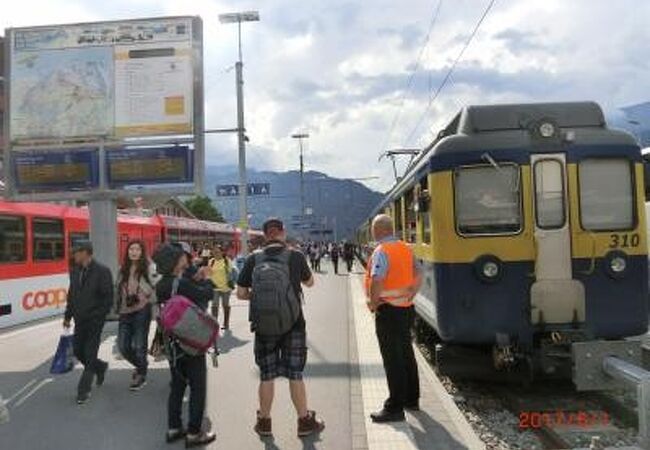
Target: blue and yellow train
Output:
[(529, 221)]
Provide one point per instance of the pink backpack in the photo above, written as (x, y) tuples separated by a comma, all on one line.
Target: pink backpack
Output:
[(195, 329)]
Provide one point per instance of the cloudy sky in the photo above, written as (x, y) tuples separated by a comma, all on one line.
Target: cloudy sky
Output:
[(339, 69)]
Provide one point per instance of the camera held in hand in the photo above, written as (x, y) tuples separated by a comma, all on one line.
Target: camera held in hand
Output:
[(132, 300)]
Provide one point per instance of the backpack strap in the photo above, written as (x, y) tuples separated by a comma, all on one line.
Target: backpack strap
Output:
[(175, 284)]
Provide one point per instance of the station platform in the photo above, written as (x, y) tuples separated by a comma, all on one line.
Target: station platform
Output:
[(344, 376)]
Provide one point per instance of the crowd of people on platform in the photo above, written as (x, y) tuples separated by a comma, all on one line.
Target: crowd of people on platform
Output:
[(271, 279), (335, 251), (207, 276)]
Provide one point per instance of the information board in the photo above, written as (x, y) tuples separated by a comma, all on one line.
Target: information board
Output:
[(149, 166), (44, 171), (106, 79)]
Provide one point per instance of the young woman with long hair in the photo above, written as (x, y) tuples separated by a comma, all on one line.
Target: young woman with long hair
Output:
[(136, 295)]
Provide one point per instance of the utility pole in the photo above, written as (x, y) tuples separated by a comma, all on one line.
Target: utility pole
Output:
[(238, 18)]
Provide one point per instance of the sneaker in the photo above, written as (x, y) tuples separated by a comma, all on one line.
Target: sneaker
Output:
[(263, 426), (198, 440), (101, 375), (138, 383), (83, 398), (174, 435), (310, 424)]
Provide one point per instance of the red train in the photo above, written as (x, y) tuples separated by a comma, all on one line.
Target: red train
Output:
[(35, 244)]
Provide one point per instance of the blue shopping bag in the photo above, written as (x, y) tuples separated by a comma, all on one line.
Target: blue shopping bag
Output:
[(63, 361)]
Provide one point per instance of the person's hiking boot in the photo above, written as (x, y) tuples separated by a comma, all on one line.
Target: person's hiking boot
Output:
[(310, 424), (101, 374), (174, 435), (82, 399), (137, 383), (386, 415), (263, 426), (200, 439)]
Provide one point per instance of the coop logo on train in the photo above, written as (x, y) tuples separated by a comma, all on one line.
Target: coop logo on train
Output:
[(51, 298)]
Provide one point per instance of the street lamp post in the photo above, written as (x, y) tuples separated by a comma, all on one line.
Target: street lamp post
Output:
[(300, 137), (238, 18)]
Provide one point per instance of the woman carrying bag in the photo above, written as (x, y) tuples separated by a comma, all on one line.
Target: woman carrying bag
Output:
[(136, 295)]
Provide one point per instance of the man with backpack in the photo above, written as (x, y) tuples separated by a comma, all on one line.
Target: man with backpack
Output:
[(271, 280), (187, 365)]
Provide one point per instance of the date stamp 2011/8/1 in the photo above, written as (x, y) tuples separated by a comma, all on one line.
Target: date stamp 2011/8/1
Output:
[(586, 419)]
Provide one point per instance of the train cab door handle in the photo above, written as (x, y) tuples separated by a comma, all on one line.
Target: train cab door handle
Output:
[(592, 263)]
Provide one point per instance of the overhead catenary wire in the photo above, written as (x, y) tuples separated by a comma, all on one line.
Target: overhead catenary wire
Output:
[(425, 43), (444, 81)]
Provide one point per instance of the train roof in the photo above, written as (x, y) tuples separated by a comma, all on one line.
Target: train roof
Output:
[(506, 130)]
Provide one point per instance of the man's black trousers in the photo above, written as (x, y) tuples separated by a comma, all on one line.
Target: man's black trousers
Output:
[(393, 328), (87, 337)]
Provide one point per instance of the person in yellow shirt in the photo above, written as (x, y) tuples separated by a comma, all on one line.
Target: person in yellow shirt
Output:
[(223, 276)]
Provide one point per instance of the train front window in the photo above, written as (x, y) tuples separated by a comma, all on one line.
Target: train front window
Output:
[(48, 239), (12, 239), (488, 200), (606, 194), (549, 194)]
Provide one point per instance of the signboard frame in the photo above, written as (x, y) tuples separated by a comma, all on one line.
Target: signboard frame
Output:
[(195, 140)]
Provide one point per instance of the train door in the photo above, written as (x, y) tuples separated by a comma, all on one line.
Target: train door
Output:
[(555, 296)]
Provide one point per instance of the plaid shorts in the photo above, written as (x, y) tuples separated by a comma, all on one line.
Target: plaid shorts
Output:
[(283, 356)]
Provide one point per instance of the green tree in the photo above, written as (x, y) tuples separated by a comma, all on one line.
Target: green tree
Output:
[(202, 207)]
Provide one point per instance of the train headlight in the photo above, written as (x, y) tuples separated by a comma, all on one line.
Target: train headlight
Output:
[(488, 268), (546, 130), (616, 263)]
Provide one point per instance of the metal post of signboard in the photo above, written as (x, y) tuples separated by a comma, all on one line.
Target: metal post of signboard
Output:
[(103, 221), (199, 120)]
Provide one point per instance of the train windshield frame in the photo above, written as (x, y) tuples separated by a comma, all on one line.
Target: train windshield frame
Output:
[(607, 200), (487, 200)]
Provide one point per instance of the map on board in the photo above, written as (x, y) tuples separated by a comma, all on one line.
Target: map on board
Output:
[(58, 93), (111, 79)]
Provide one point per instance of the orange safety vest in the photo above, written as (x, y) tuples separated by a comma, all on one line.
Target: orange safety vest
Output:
[(400, 278)]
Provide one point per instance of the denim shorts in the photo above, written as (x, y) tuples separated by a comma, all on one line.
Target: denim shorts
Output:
[(282, 356)]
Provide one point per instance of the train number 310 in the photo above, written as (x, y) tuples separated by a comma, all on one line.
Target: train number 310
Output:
[(624, 240)]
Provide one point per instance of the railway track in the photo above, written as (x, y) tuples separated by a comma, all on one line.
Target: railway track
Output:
[(542, 416)]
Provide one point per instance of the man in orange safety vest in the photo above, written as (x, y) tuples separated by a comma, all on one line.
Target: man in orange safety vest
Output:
[(392, 280)]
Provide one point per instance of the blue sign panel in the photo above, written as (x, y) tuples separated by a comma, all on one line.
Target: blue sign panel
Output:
[(227, 190), (149, 166), (232, 190), (259, 188), (55, 171)]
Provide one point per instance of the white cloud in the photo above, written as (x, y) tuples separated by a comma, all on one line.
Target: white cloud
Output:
[(338, 68)]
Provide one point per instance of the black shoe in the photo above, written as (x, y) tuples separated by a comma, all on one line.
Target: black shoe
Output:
[(387, 416), (101, 375), (412, 406), (83, 398), (198, 440), (174, 435), (137, 383)]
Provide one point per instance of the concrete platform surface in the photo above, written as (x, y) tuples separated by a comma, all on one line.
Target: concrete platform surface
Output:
[(344, 375)]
